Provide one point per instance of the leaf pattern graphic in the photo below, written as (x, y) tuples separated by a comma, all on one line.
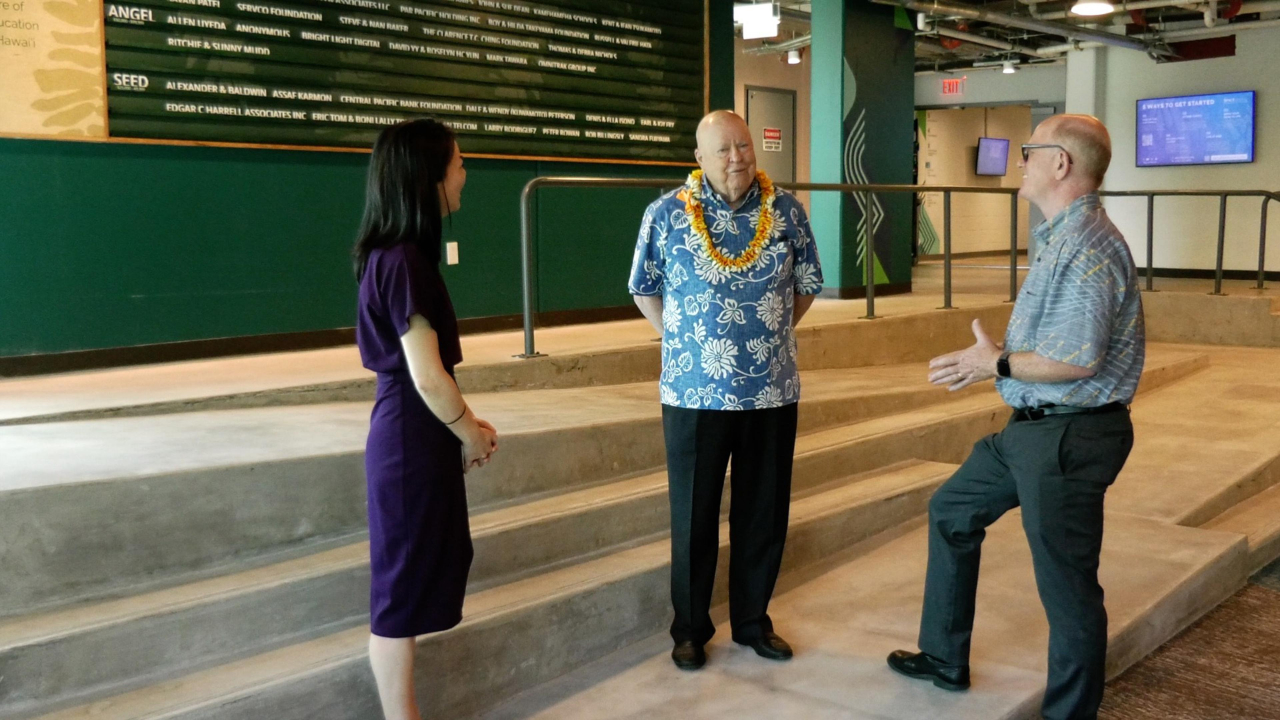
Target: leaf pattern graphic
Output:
[(79, 57), (52, 104), (71, 84), (81, 13), (70, 117), (89, 39), (62, 80)]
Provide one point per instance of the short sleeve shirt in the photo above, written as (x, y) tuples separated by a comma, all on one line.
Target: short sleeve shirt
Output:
[(728, 341), (397, 284), (1080, 304)]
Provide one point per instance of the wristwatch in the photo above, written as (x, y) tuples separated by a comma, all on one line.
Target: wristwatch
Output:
[(1002, 365)]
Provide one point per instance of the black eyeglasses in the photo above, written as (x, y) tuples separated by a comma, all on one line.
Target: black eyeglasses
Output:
[(1026, 151)]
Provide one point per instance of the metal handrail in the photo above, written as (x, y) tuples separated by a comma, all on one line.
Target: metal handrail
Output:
[(526, 228)]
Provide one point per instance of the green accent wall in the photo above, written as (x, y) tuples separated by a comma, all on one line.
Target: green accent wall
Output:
[(862, 108), (826, 131), (111, 245)]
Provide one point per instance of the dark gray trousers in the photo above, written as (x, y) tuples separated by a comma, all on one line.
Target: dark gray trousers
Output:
[(700, 444), (1057, 469)]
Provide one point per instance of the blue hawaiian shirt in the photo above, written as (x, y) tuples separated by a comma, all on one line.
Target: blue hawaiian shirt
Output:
[(727, 341)]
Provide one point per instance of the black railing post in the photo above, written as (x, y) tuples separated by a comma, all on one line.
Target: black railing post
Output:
[(1151, 241), (1222, 243), (869, 255), (946, 250), (1262, 244), (526, 266), (1013, 247)]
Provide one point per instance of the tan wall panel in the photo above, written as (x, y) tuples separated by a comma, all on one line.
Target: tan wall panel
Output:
[(979, 223), (51, 68)]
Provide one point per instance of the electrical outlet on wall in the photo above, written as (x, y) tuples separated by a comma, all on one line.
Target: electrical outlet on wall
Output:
[(451, 253)]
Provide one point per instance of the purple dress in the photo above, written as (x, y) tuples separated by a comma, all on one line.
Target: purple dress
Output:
[(419, 537)]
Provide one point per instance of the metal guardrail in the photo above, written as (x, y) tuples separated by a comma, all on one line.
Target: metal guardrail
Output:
[(530, 188)]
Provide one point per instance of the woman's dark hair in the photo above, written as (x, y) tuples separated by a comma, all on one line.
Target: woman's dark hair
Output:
[(402, 202)]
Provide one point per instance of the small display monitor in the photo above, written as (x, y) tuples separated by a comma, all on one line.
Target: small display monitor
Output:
[(993, 156), (1196, 129)]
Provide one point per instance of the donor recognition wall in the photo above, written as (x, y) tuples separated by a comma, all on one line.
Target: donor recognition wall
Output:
[(554, 78)]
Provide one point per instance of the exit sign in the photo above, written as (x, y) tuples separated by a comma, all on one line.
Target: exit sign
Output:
[(953, 86)]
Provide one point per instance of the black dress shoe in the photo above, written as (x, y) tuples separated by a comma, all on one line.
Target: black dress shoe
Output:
[(769, 645), (926, 667), (688, 655)]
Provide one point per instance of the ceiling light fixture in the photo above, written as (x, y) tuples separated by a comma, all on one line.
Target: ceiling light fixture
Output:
[(758, 20), (1092, 8), (1009, 69), (793, 57)]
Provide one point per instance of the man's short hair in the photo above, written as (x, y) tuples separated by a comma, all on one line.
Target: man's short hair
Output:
[(1088, 141)]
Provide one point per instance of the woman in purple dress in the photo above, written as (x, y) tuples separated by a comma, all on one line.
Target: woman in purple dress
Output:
[(422, 435)]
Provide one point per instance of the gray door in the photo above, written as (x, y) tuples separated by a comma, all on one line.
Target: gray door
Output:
[(771, 114)]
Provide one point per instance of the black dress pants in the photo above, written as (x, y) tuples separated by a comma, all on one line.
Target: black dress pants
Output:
[(1058, 469), (700, 445)]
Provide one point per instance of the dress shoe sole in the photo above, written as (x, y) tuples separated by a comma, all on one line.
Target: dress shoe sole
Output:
[(768, 654), (689, 666), (937, 681)]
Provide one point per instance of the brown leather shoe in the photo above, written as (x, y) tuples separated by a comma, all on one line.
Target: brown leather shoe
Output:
[(926, 667)]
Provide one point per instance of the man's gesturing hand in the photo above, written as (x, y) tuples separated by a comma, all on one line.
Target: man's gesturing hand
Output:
[(961, 369)]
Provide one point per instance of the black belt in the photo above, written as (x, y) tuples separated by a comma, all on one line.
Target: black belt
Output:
[(1037, 413)]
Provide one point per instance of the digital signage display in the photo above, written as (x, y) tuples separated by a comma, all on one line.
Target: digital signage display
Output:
[(1196, 129)]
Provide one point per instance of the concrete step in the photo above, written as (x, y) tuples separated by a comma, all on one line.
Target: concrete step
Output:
[(850, 614), (1258, 519), (515, 635), (1197, 317), (586, 356), (256, 481), (253, 481), (264, 607)]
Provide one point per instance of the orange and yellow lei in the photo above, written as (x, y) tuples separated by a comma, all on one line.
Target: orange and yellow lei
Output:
[(692, 197)]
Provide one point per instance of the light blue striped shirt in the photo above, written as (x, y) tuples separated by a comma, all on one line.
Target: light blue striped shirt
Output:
[(1080, 304)]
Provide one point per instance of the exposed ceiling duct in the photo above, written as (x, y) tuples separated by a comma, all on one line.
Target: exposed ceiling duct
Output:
[(1070, 32), (989, 42), (954, 35)]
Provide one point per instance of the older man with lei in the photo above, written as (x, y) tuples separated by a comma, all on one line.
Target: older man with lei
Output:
[(724, 269)]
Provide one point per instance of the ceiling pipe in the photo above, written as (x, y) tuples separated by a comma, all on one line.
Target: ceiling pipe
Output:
[(1122, 7), (1211, 13), (794, 43), (1071, 32), (1193, 33), (950, 68), (1228, 29), (1260, 7), (1248, 8), (989, 42)]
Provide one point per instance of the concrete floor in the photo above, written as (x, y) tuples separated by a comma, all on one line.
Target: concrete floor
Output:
[(1203, 445), (1199, 444)]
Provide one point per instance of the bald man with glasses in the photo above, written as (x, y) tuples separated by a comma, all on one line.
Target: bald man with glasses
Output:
[(1069, 368)]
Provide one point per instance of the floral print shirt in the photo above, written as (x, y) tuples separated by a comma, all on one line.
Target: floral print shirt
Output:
[(727, 341)]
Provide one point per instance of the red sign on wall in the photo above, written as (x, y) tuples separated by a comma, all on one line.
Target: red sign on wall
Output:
[(772, 133), (953, 86)]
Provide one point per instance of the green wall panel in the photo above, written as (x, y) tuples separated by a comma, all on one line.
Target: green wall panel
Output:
[(110, 245), (107, 245), (586, 238)]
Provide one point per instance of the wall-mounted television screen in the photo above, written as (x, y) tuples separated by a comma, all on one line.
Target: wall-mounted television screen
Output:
[(1196, 129), (993, 156)]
